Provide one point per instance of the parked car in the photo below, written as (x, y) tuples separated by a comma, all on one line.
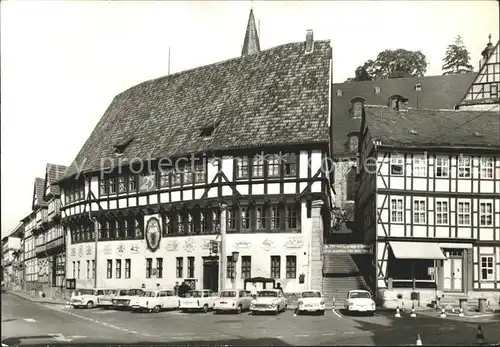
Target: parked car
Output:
[(269, 300), (360, 301), (125, 297), (311, 301), (85, 297), (155, 300), (232, 300), (106, 300), (196, 300)]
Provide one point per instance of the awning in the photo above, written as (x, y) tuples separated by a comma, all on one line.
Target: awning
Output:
[(416, 250)]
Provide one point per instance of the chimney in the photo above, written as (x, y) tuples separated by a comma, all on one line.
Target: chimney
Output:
[(309, 41)]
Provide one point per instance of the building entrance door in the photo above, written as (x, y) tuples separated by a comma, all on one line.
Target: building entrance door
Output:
[(211, 273), (453, 271)]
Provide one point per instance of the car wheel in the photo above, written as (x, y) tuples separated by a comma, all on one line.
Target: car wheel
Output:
[(90, 304), (277, 311), (239, 309), (157, 309), (216, 312), (205, 308), (254, 313), (322, 312), (371, 314)]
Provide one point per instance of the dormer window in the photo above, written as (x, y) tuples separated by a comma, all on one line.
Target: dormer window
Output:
[(357, 107), (397, 102), (339, 92), (418, 87), (353, 143), (120, 147), (208, 130), (376, 90)]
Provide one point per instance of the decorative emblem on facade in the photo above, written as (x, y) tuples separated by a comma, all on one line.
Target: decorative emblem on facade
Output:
[(172, 246), (153, 234), (242, 244), (88, 250), (108, 250), (134, 249), (294, 243), (120, 249), (189, 245), (80, 251), (267, 244), (73, 252), (205, 244)]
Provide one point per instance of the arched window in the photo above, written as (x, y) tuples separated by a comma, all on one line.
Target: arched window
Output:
[(351, 184), (353, 142), (397, 102), (357, 107)]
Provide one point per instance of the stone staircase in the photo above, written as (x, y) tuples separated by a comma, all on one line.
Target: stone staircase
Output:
[(340, 275)]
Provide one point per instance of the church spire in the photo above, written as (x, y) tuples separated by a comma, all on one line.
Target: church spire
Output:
[(251, 44)]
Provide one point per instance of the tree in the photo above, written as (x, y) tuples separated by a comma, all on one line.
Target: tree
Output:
[(392, 64), (457, 59)]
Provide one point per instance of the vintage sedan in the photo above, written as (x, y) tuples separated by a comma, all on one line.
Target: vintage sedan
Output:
[(269, 300), (198, 300), (85, 297), (106, 300), (232, 300), (125, 297), (155, 301), (360, 301), (311, 301)]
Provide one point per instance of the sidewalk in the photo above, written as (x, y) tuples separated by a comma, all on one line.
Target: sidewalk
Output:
[(26, 296)]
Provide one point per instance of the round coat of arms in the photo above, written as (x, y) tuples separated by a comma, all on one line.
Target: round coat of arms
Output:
[(153, 234)]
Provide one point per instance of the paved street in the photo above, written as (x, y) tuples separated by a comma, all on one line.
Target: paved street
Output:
[(26, 322)]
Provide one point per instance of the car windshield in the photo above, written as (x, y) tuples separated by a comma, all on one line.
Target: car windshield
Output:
[(111, 292), (228, 294), (126, 292), (85, 292), (193, 294), (267, 294), (311, 295), (149, 294), (360, 295)]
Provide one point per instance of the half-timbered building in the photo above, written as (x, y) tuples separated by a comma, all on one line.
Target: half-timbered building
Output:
[(483, 93), (429, 191), (242, 139), (30, 259)]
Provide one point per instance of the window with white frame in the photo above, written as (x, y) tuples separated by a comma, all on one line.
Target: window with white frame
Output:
[(442, 166), (397, 165), (463, 213), (419, 211), (487, 268), (464, 166), (397, 210), (419, 166), (486, 167), (486, 213), (441, 212)]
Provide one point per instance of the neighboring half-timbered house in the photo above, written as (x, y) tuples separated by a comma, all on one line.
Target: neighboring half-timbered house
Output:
[(484, 93), (169, 154), (429, 190), (30, 260)]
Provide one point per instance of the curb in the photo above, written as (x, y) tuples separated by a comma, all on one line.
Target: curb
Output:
[(33, 300)]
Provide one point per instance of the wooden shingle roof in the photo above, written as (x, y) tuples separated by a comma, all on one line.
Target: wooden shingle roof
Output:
[(53, 174), (422, 128), (436, 92), (38, 193), (278, 96)]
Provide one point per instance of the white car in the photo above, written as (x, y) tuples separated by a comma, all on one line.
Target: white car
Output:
[(85, 297), (125, 297), (106, 300), (360, 301), (155, 301), (311, 301), (269, 300), (196, 300), (232, 300)]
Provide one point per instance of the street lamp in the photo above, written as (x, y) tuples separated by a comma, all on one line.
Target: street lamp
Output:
[(235, 261)]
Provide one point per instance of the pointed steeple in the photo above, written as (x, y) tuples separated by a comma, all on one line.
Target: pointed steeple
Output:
[(251, 44)]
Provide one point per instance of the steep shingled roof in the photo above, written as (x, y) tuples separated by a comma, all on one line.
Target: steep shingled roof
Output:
[(433, 127), (38, 192), (437, 92), (276, 97), (53, 174)]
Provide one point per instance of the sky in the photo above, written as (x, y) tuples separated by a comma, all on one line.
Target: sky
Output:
[(63, 62)]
